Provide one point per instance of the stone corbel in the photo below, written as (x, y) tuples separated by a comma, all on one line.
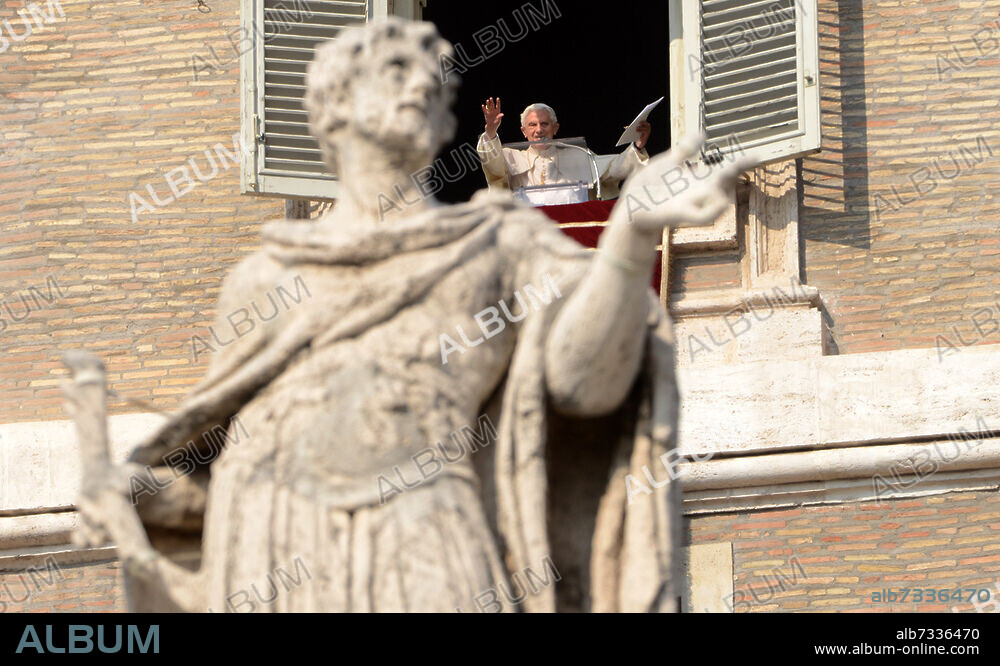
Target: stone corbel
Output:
[(772, 227), (720, 236)]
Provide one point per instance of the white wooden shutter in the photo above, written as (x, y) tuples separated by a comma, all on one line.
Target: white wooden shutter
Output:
[(750, 76), (282, 157)]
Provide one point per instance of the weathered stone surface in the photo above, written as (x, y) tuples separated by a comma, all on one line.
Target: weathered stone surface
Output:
[(758, 334), (39, 461), (838, 400)]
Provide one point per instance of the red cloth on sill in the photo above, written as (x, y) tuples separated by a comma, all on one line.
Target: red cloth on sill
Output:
[(589, 219)]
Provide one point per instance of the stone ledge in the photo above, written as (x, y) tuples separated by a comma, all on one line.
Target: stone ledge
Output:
[(824, 402), (839, 491), (39, 557), (886, 460), (37, 529), (801, 295)]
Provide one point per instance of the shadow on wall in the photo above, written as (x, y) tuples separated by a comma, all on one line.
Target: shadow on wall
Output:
[(834, 193)]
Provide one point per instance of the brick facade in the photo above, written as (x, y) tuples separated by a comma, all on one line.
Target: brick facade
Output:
[(78, 588), (845, 553), (897, 268), (93, 107)]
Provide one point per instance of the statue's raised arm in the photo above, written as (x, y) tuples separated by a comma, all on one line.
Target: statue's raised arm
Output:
[(596, 345)]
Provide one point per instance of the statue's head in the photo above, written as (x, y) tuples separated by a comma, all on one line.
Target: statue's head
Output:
[(382, 81)]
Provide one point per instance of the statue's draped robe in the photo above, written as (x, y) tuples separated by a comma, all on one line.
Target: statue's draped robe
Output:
[(341, 388)]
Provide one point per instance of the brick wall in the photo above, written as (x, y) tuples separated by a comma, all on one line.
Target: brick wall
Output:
[(837, 555), (847, 552), (101, 103), (900, 240), (81, 588), (704, 274), (94, 106)]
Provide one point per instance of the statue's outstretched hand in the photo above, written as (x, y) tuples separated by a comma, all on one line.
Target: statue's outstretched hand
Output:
[(668, 192)]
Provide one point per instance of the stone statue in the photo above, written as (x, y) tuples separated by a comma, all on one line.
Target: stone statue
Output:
[(439, 320)]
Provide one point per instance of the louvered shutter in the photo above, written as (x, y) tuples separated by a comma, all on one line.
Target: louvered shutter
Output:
[(284, 159), (750, 76)]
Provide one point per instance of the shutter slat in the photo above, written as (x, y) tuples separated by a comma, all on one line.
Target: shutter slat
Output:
[(714, 12), (282, 104), (291, 139), (330, 23), (716, 75), (355, 7), (774, 132), (749, 89), (749, 75), (282, 141), (299, 154), (285, 79), (288, 116), (293, 129), (288, 92), (280, 167), (716, 6), (775, 105), (316, 34), (762, 121), (303, 53), (751, 97), (278, 65), (721, 45), (756, 28)]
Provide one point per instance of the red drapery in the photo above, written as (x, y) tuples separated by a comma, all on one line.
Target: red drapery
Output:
[(584, 222)]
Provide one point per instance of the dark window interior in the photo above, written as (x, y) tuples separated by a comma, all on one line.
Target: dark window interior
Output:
[(597, 69)]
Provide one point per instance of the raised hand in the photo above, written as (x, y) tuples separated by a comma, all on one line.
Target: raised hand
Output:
[(493, 116), (667, 192)]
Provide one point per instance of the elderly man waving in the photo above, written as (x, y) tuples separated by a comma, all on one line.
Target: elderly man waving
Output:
[(540, 165)]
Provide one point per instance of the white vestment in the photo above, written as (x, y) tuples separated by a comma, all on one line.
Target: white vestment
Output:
[(508, 168)]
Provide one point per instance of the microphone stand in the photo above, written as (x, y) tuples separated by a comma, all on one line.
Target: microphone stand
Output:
[(587, 151)]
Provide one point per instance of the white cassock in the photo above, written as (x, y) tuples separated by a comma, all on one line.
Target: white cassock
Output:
[(510, 168)]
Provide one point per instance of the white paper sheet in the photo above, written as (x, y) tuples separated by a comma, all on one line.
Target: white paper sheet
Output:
[(631, 134)]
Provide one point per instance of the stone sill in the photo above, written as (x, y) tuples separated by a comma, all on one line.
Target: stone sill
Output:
[(802, 296)]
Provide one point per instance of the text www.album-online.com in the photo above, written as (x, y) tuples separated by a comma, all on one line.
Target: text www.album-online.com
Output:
[(915, 649), (918, 647)]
